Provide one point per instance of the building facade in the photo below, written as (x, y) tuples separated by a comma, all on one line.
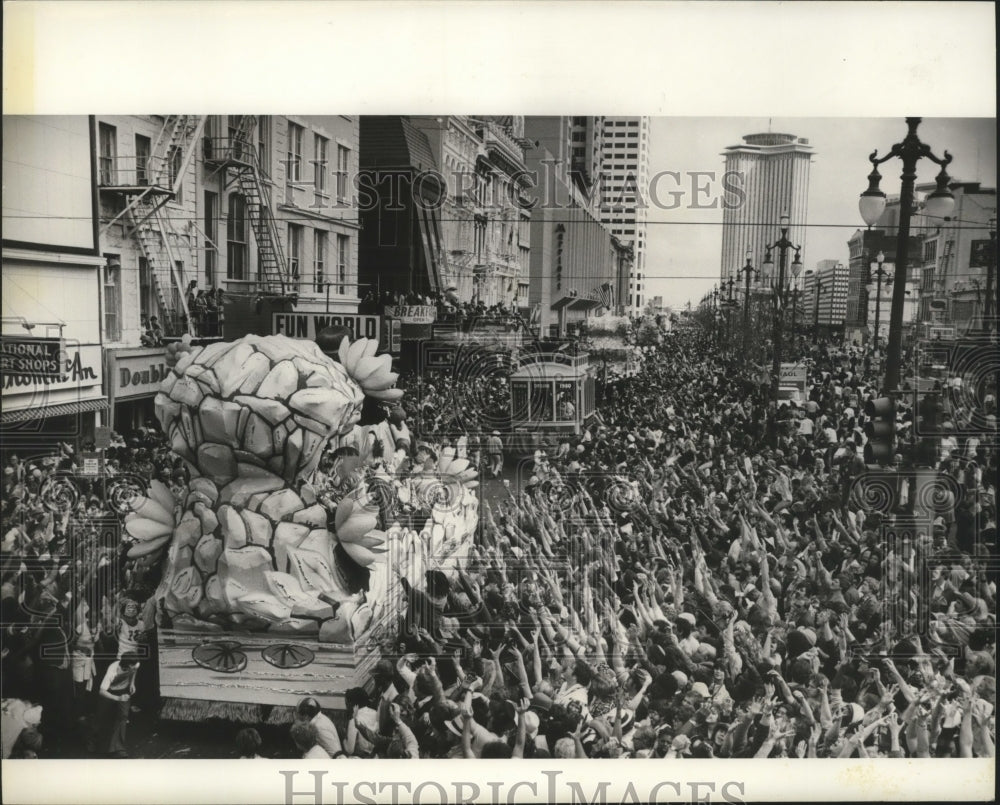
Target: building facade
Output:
[(862, 248), (575, 262), (880, 302), (624, 196), (484, 220), (955, 258), (55, 282), (827, 285), (774, 171), (257, 207), (401, 248)]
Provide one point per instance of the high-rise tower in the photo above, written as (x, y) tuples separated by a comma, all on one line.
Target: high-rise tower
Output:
[(624, 191), (774, 175)]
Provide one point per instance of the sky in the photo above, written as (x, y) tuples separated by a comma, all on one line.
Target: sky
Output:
[(685, 244)]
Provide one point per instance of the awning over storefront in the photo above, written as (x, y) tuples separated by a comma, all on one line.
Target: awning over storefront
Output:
[(60, 409)]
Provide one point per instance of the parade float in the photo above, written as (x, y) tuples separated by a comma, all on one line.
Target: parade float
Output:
[(274, 587)]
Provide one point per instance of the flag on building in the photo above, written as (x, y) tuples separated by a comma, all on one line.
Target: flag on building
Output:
[(606, 295)]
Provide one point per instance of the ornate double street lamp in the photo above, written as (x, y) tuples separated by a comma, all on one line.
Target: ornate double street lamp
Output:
[(796, 270), (819, 290), (782, 244), (872, 204), (728, 304), (747, 270)]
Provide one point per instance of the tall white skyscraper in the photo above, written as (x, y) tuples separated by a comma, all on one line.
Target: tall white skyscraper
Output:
[(773, 172), (624, 194)]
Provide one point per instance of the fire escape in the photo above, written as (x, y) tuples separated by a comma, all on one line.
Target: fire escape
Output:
[(147, 182), (236, 154)]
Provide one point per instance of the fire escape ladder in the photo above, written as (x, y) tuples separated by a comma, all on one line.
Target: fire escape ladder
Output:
[(179, 133), (149, 235), (272, 268)]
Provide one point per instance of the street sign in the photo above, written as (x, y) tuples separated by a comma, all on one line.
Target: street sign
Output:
[(793, 374), (91, 463)]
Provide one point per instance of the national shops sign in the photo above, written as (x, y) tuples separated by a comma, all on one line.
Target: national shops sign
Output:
[(31, 357), (79, 367)]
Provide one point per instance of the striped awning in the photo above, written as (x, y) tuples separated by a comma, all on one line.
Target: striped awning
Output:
[(60, 409)]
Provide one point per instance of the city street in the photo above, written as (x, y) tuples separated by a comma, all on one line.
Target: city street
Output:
[(746, 505)]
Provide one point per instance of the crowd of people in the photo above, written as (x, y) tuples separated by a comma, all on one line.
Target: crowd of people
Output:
[(206, 310), (704, 576), (77, 616), (446, 303), (696, 574)]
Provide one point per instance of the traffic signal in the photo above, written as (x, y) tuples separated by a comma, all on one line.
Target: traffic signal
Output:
[(881, 430)]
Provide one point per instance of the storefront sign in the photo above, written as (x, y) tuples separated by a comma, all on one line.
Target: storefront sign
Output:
[(81, 367), (31, 357), (91, 464), (307, 325), (792, 374), (138, 375), (412, 314)]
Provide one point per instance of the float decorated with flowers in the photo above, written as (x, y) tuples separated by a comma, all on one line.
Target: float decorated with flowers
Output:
[(274, 585)]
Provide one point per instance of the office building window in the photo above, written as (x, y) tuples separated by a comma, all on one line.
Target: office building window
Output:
[(237, 142), (264, 143), (211, 237), (294, 253), (142, 150), (293, 161), (236, 238), (112, 298), (343, 161), (319, 168), (175, 159), (319, 259), (342, 256), (146, 301), (107, 159)]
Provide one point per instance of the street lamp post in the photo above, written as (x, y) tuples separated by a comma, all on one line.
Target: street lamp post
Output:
[(729, 312), (991, 267), (796, 270), (782, 244), (819, 290), (872, 204), (866, 255), (879, 273), (747, 270), (715, 315)]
